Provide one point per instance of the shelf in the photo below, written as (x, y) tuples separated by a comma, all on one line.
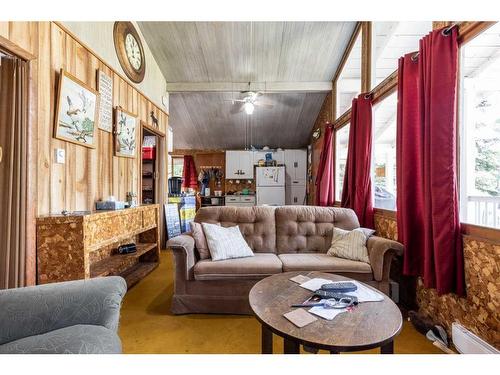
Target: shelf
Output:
[(118, 263), (136, 273)]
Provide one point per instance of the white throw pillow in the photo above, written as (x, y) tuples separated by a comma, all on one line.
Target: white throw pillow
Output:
[(226, 243), (349, 244)]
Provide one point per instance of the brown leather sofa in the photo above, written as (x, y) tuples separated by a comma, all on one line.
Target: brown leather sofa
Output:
[(288, 238)]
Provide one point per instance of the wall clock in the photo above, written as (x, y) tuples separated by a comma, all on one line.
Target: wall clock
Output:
[(316, 134), (129, 50)]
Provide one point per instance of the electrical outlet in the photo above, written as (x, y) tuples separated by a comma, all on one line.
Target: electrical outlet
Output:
[(60, 156)]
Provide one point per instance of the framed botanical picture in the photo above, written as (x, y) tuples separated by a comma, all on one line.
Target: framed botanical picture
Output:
[(125, 133), (77, 111)]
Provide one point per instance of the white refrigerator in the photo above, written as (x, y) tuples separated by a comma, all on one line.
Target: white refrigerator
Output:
[(270, 186)]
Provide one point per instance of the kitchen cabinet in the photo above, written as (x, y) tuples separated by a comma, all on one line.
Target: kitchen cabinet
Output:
[(295, 176), (239, 165), (296, 167), (279, 156), (240, 200), (295, 195)]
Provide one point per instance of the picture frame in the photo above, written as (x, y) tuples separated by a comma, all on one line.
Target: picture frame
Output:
[(125, 133), (105, 89), (77, 111)]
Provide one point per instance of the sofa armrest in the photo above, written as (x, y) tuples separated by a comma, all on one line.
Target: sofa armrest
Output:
[(40, 309), (184, 255), (380, 251)]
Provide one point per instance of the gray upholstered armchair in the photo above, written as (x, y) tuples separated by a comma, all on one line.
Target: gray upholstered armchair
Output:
[(74, 317)]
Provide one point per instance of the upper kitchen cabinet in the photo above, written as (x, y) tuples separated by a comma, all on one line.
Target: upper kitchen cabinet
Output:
[(239, 164), (296, 166)]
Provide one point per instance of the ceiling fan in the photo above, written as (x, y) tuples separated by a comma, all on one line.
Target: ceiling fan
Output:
[(249, 101)]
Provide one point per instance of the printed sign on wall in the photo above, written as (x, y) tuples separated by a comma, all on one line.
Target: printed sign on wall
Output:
[(105, 88)]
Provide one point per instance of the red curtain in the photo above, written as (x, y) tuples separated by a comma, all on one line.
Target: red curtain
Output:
[(324, 180), (189, 177), (357, 188), (427, 188)]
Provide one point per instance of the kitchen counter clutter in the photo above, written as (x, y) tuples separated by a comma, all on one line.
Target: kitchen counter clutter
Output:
[(84, 245)]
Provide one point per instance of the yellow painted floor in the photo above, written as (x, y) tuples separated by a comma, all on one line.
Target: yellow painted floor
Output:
[(147, 326)]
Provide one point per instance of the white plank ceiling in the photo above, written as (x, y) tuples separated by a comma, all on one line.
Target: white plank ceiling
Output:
[(206, 63)]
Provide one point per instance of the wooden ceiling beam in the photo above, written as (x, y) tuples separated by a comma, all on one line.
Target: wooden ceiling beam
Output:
[(278, 87)]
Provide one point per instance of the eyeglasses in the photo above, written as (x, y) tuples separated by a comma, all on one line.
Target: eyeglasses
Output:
[(342, 303)]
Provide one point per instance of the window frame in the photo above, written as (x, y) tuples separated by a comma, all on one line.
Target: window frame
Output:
[(173, 157), (342, 122), (360, 29), (467, 31), (390, 89)]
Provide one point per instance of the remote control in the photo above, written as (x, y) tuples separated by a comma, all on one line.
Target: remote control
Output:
[(325, 294), (342, 287)]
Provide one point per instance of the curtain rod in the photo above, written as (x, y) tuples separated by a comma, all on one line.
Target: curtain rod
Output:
[(445, 32)]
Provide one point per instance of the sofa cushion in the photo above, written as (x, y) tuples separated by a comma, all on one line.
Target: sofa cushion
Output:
[(309, 229), (349, 245), (255, 267), (322, 262), (226, 243), (200, 240), (77, 339), (257, 224)]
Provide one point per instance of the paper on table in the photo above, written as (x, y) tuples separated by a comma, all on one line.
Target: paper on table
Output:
[(328, 314), (300, 279), (300, 317), (315, 284), (363, 293)]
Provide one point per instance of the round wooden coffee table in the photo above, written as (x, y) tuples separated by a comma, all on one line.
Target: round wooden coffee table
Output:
[(369, 325)]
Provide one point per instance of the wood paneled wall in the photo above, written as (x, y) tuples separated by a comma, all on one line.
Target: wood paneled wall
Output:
[(88, 174)]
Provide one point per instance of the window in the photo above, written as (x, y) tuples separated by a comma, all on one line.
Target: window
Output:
[(392, 40), (479, 118), (341, 143), (349, 80), (384, 153), (177, 166)]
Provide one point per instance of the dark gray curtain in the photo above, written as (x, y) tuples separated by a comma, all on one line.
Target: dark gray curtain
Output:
[(13, 137)]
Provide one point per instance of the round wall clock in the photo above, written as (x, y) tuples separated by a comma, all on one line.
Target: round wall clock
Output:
[(316, 134), (129, 50)]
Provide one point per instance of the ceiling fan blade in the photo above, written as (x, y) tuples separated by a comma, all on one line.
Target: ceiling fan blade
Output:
[(234, 101), (264, 105), (237, 108)]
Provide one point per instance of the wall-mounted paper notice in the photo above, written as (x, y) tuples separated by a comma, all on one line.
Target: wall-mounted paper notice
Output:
[(105, 88)]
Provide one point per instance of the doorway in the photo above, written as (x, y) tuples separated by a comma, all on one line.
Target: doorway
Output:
[(154, 171), (149, 186)]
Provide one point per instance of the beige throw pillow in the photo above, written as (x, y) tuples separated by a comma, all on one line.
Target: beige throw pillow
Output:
[(226, 243), (200, 241), (349, 245)]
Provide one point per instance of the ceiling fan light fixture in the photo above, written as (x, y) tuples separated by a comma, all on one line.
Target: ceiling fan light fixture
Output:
[(249, 107)]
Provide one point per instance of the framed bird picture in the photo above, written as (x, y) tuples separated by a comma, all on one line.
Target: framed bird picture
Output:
[(77, 111), (125, 133)]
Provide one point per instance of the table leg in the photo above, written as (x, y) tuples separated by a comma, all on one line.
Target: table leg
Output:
[(387, 348), (267, 340), (291, 347)]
